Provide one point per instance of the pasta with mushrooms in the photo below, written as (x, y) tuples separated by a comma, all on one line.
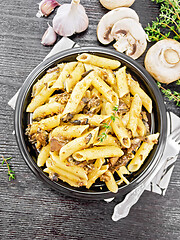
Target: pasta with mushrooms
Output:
[(89, 123)]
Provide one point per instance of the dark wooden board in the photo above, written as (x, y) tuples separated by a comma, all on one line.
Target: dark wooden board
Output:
[(29, 209)]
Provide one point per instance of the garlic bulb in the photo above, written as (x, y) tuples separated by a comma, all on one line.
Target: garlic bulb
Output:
[(46, 7), (70, 19), (49, 37)]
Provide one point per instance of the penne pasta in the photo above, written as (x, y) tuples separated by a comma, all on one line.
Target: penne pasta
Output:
[(141, 129), (40, 99), (108, 141), (108, 76), (74, 77), (119, 129), (121, 171), (96, 93), (136, 89), (111, 183), (127, 100), (95, 174), (47, 170), (98, 61), (78, 143), (97, 152), (105, 74), (73, 169), (68, 68), (69, 131), (77, 94), (46, 124), (143, 152), (122, 84), (105, 90), (65, 176), (43, 155), (134, 114), (125, 119), (103, 107), (50, 76), (47, 109)]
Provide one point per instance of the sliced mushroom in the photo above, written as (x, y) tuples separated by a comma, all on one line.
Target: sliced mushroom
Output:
[(109, 19), (112, 4), (130, 36), (162, 61)]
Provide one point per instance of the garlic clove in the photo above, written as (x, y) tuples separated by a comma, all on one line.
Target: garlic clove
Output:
[(49, 37), (46, 7), (70, 19)]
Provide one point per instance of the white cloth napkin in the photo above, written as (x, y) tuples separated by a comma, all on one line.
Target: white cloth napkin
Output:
[(160, 182)]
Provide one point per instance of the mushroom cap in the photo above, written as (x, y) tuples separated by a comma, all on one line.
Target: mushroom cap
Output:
[(109, 19), (112, 4), (130, 36), (162, 61)]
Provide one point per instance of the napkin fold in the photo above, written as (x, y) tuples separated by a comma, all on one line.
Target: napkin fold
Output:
[(160, 182)]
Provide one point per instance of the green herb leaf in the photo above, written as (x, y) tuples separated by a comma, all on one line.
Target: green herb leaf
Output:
[(175, 96), (115, 109), (105, 125), (11, 173), (102, 137), (113, 117), (168, 22), (178, 82)]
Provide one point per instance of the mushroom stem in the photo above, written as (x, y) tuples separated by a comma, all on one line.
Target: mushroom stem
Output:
[(171, 56)]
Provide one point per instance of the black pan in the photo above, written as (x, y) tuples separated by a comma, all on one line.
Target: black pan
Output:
[(157, 120)]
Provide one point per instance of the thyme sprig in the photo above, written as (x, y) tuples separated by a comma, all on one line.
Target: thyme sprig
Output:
[(107, 126), (11, 173), (168, 22), (178, 82), (175, 96), (165, 26)]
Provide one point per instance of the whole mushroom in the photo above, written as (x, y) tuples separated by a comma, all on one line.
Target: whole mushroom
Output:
[(162, 61), (106, 23), (130, 37), (112, 4)]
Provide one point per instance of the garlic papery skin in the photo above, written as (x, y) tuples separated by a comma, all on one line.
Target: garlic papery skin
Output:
[(46, 7), (70, 19), (49, 37)]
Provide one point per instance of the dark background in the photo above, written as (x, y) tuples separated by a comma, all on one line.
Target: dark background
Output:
[(29, 209)]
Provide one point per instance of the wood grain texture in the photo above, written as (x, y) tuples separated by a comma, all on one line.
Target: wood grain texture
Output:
[(29, 209)]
